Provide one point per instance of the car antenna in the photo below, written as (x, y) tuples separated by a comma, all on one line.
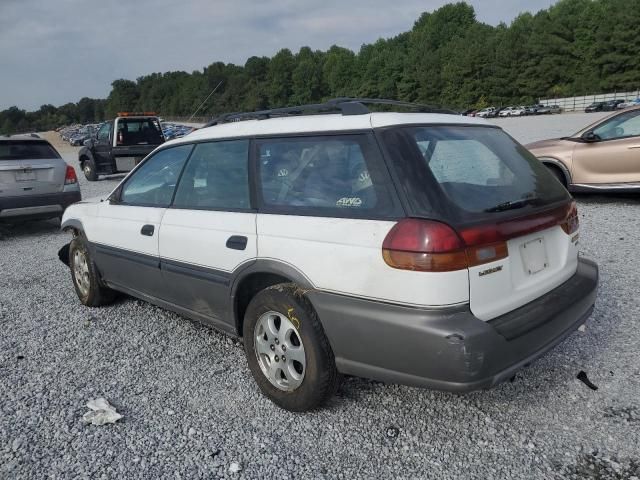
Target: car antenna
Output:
[(205, 100)]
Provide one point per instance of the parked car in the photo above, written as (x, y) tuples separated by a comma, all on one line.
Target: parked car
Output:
[(512, 111), (488, 112), (629, 103), (549, 109), (533, 109), (82, 135), (35, 182), (612, 105), (427, 249), (595, 107), (604, 156)]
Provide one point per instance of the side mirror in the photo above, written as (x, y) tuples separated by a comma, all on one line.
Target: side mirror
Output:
[(589, 137)]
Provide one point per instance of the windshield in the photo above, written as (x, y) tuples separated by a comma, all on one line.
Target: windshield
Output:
[(26, 150), (482, 169)]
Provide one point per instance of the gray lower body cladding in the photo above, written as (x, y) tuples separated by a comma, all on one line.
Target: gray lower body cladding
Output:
[(37, 206), (450, 349)]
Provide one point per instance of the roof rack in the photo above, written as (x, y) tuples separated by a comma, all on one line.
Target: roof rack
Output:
[(344, 105)]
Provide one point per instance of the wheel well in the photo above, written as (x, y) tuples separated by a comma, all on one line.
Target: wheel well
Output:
[(556, 168), (248, 288)]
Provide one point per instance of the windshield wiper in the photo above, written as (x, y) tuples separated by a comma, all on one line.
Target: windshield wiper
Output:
[(513, 204)]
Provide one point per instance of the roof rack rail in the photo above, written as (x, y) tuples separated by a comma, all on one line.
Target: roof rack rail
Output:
[(344, 105)]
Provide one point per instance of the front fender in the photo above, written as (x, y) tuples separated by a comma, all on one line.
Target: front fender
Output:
[(557, 163), (71, 223)]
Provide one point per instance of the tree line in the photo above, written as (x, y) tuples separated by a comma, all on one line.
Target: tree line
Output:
[(448, 58)]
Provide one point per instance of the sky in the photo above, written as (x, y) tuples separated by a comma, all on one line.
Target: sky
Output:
[(58, 51)]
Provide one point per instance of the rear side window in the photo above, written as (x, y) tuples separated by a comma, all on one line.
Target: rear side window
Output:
[(26, 150), (330, 175), (216, 177), (479, 169)]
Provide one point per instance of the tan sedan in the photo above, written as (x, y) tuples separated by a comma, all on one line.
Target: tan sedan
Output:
[(605, 156)]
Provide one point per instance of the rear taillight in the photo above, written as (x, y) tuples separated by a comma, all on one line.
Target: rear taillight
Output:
[(431, 246), (70, 176), (571, 224), (425, 246)]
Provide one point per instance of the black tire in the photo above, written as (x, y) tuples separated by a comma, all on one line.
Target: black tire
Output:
[(89, 170), (94, 293), (321, 377)]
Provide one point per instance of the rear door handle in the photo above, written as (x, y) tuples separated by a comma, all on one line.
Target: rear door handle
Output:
[(147, 230), (634, 146), (237, 242)]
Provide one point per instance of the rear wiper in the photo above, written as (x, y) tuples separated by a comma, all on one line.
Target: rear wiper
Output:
[(512, 205)]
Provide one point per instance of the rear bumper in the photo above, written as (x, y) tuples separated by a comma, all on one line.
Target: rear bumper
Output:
[(37, 206), (450, 349)]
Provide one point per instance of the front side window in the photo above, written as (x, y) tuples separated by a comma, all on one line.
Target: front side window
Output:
[(626, 124), (334, 174), (216, 177), (153, 183)]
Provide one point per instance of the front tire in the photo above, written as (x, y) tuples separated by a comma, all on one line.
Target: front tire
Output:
[(86, 279), (89, 170), (287, 351)]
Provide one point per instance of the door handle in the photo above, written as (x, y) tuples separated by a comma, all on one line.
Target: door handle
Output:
[(633, 147), (147, 230), (237, 242)]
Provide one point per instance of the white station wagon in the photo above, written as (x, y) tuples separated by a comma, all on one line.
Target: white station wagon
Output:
[(427, 249)]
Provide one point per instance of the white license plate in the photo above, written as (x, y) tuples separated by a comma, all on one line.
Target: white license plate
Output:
[(25, 176), (534, 256)]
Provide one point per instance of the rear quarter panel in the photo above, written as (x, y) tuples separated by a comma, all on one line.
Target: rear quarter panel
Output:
[(344, 256)]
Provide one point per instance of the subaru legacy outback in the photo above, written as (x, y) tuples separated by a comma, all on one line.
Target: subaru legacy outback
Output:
[(421, 248)]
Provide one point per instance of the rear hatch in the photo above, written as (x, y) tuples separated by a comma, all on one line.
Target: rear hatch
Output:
[(30, 167), (517, 223)]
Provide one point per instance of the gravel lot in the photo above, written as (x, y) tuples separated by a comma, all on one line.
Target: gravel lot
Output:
[(191, 408)]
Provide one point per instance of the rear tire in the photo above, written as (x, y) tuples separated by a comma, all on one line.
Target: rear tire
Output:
[(86, 280), (89, 170), (278, 322)]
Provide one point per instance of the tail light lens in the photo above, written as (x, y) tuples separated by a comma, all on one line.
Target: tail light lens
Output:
[(425, 246), (571, 224), (70, 176), (430, 246)]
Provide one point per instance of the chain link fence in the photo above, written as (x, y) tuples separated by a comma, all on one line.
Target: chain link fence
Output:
[(578, 104)]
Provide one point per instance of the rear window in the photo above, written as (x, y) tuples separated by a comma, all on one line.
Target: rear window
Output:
[(482, 169), (139, 131), (26, 150)]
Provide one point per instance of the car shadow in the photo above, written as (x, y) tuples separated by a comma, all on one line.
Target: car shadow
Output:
[(608, 198), (22, 228)]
